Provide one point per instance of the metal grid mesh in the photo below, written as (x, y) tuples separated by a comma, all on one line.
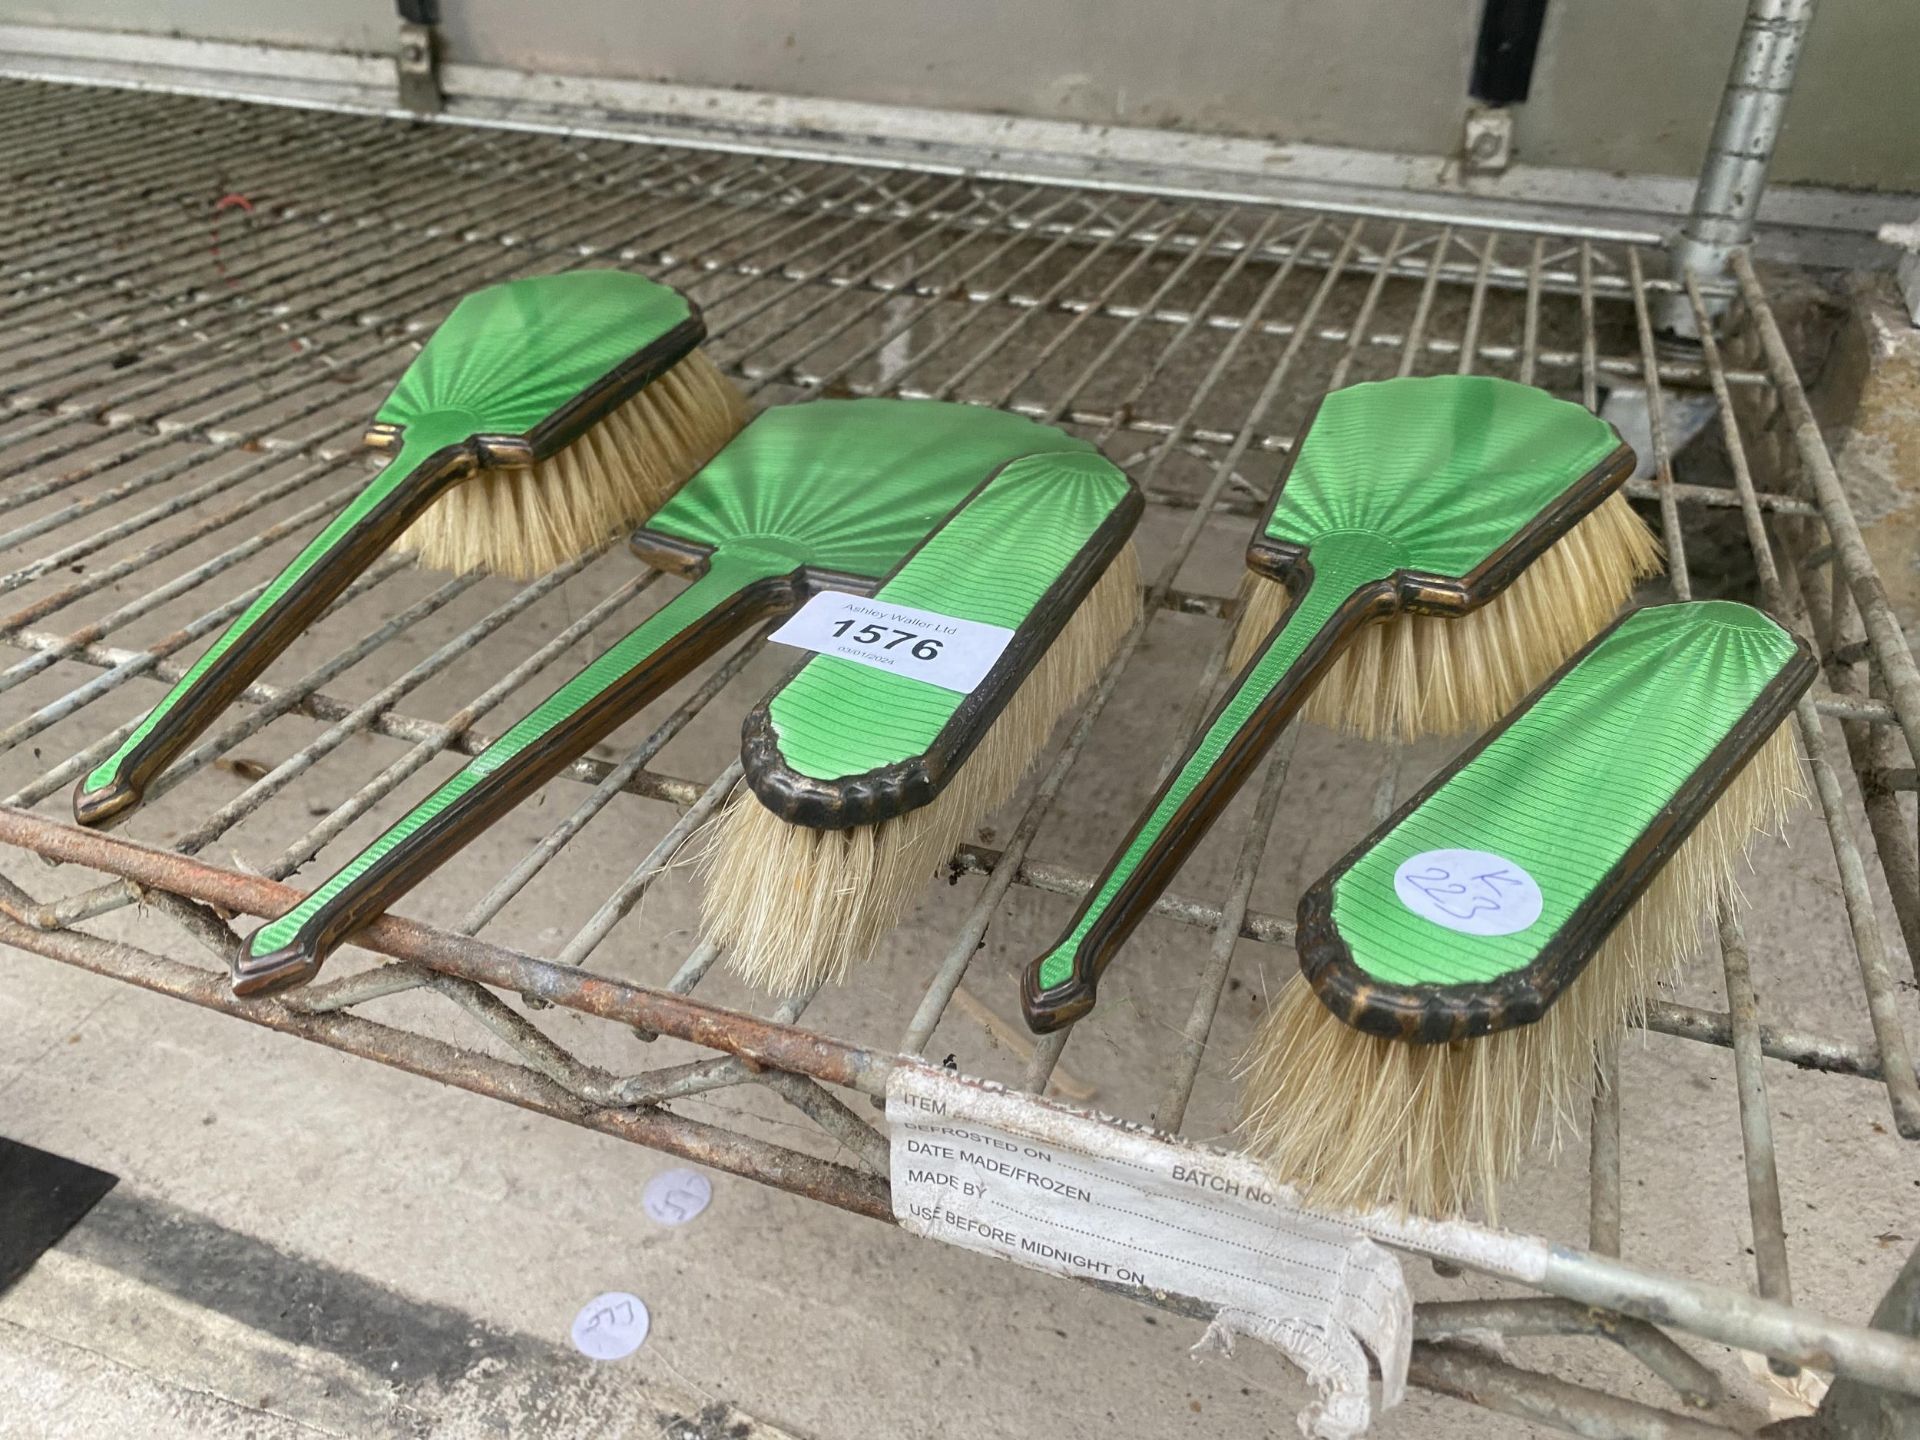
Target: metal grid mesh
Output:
[(204, 302)]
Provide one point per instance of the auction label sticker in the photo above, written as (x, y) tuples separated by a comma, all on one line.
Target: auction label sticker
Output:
[(611, 1326), (1057, 1190), (1469, 891), (674, 1197), (942, 650)]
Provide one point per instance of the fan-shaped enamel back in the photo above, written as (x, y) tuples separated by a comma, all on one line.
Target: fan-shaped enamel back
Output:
[(1441, 472), (843, 487), (541, 358)]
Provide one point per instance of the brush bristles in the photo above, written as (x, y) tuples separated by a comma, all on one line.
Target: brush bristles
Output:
[(1434, 675), (1354, 1120), (526, 522), (798, 907)]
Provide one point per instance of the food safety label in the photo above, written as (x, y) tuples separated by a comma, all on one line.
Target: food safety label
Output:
[(942, 650), (1058, 1190)]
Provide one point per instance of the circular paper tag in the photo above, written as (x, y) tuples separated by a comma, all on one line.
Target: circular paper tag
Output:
[(1471, 891), (610, 1326), (674, 1197)]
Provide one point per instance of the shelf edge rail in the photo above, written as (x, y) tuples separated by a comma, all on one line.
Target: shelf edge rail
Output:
[(1714, 1312)]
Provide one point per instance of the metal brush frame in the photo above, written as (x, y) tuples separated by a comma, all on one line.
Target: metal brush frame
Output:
[(788, 256)]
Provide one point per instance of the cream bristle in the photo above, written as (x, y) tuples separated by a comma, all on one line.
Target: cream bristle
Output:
[(797, 907), (1436, 675), (525, 522), (1356, 1120)]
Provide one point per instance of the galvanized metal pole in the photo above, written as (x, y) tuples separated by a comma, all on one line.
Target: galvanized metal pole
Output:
[(1733, 175)]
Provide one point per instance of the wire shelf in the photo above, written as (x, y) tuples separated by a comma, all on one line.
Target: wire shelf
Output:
[(205, 300)]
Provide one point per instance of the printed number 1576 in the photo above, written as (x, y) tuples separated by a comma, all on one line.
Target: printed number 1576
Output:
[(920, 647)]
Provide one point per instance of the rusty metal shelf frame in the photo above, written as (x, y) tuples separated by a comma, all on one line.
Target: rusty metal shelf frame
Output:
[(120, 390)]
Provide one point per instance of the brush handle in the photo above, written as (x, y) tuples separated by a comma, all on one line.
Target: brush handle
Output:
[(434, 454), (720, 605), (1350, 584)]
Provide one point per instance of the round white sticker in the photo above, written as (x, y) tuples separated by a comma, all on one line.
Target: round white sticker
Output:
[(1471, 891), (610, 1326), (674, 1197)]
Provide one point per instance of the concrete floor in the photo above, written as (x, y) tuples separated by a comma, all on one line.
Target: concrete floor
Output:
[(303, 1242)]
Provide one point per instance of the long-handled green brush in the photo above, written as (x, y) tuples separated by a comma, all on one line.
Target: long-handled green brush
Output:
[(544, 416), (863, 774), (1433, 670), (1461, 966), (1419, 501), (829, 494)]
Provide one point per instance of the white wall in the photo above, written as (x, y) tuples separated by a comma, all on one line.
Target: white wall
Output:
[(1632, 85), (357, 25), (1621, 84)]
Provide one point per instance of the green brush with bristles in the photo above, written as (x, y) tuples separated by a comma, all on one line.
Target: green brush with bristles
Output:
[(860, 780), (543, 417), (1445, 670), (1461, 967), (1474, 523)]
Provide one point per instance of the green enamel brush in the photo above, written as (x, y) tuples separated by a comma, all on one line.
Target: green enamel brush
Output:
[(544, 416), (879, 755), (829, 494), (1420, 499), (1463, 963)]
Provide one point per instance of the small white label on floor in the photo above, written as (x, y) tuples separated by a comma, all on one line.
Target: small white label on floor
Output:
[(942, 650), (1470, 891), (611, 1326), (1058, 1190), (674, 1197)]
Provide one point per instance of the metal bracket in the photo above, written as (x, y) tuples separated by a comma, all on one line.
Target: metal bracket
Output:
[(1486, 144), (418, 65)]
